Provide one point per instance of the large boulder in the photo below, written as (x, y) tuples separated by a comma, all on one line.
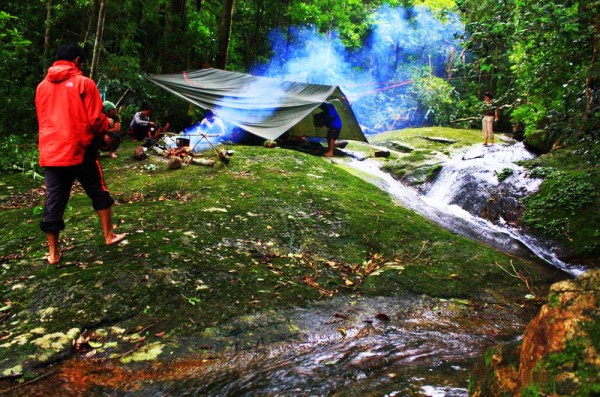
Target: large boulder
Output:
[(538, 142), (558, 355)]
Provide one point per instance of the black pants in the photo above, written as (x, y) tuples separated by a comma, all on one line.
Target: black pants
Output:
[(140, 132), (113, 142), (59, 181)]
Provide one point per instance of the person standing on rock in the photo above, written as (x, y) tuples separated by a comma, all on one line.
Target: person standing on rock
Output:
[(490, 115), (69, 113)]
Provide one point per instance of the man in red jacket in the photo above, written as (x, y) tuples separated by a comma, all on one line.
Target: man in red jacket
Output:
[(69, 113)]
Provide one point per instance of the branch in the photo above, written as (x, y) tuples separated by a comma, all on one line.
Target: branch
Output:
[(519, 275), (47, 374)]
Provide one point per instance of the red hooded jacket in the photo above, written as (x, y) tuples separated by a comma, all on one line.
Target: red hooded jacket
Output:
[(69, 113)]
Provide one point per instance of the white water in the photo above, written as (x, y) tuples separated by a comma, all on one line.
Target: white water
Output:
[(476, 167)]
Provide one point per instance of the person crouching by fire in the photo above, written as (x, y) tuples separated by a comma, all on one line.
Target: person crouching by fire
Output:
[(141, 127), (112, 137), (211, 124)]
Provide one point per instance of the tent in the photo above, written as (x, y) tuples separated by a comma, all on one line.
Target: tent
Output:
[(263, 106)]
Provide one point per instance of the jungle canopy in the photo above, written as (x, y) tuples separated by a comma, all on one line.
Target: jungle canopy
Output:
[(260, 105)]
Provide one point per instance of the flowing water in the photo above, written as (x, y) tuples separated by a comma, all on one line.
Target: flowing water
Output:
[(462, 189), (413, 346)]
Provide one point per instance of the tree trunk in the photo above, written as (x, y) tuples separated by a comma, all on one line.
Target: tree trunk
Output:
[(91, 15), (162, 34), (260, 9), (590, 81), (47, 24), (225, 33), (98, 41), (450, 61)]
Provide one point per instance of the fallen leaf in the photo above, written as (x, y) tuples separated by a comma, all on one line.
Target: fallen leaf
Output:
[(160, 334)]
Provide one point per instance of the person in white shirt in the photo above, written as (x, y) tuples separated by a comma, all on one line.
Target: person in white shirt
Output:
[(211, 124)]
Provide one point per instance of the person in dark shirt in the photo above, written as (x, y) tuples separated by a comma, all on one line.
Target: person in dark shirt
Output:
[(333, 122)]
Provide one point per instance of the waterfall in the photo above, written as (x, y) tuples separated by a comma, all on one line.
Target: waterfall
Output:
[(468, 186)]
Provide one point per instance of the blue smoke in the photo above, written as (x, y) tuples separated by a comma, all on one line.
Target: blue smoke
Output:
[(376, 78)]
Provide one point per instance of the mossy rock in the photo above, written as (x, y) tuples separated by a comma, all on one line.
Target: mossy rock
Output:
[(496, 373), (538, 142), (559, 351)]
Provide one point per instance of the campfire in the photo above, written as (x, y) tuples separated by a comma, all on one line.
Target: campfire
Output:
[(184, 153), (181, 152)]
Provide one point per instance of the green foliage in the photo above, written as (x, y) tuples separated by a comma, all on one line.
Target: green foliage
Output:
[(562, 195), (436, 95), (15, 92), (504, 174), (592, 329), (537, 57), (19, 155)]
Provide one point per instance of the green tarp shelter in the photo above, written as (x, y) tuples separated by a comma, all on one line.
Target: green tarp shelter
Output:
[(263, 106)]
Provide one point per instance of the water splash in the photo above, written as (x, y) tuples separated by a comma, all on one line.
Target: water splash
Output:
[(462, 186)]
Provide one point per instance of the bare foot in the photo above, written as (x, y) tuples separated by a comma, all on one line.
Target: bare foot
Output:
[(53, 259), (328, 154), (115, 238)]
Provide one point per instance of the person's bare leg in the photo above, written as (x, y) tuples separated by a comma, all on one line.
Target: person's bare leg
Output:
[(330, 145), (105, 216), (53, 248)]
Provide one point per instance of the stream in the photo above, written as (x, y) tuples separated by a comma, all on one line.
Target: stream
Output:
[(463, 186), (413, 346)]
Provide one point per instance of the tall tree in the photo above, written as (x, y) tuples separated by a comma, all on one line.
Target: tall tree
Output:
[(98, 39), (225, 34), (47, 26)]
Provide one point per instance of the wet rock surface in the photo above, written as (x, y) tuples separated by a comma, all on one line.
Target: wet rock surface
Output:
[(559, 351), (347, 346)]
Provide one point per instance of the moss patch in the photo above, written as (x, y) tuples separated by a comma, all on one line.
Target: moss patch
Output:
[(566, 206)]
